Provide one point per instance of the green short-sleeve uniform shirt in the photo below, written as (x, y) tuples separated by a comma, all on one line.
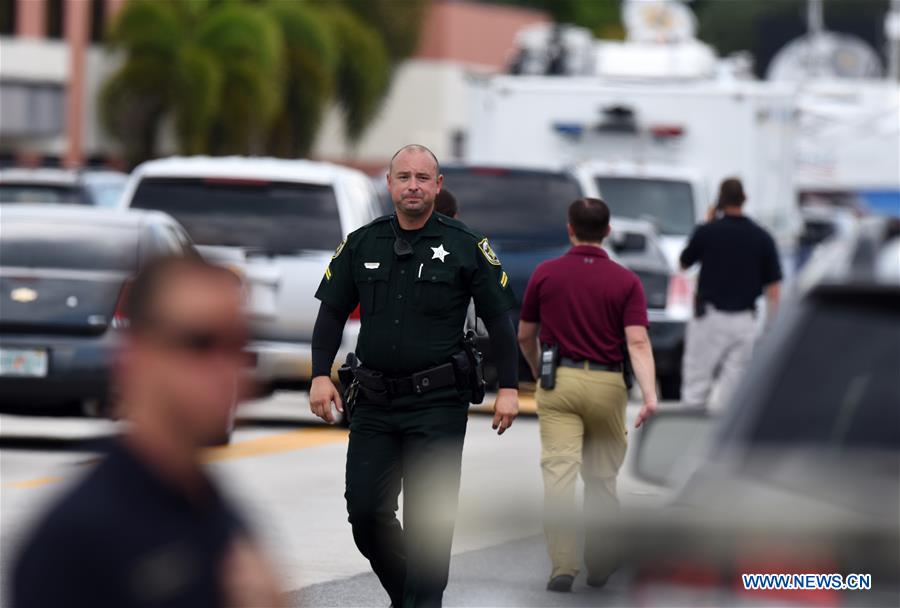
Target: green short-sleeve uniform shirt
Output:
[(412, 310)]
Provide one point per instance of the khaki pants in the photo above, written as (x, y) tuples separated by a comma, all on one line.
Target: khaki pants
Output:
[(582, 423), (717, 346)]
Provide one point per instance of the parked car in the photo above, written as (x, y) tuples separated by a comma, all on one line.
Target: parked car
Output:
[(276, 221), (98, 187), (63, 271), (523, 213), (801, 474)]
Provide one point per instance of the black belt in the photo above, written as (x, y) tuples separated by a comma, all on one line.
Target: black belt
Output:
[(376, 383), (591, 365)]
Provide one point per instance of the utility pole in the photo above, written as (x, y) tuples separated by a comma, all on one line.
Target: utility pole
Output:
[(892, 34)]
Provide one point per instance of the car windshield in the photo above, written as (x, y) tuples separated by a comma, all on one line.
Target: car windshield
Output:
[(69, 246), (276, 217), (854, 402), (668, 204), (538, 201), (40, 193)]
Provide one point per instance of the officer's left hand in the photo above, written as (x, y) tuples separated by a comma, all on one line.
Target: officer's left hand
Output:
[(506, 408)]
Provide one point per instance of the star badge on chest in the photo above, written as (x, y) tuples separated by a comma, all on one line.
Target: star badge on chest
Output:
[(439, 252)]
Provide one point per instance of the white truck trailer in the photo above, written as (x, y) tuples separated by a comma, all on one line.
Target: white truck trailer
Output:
[(716, 128)]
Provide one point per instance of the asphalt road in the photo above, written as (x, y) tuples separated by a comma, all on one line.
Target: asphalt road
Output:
[(286, 472)]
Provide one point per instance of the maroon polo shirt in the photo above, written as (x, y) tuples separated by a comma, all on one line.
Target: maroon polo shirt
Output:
[(583, 301)]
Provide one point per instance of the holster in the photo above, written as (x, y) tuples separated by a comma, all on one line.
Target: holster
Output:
[(469, 366), (549, 363), (349, 383)]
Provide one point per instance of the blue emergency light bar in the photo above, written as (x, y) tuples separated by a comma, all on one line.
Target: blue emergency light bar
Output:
[(571, 129)]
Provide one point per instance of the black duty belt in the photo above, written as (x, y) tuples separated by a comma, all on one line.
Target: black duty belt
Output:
[(375, 384), (591, 365)]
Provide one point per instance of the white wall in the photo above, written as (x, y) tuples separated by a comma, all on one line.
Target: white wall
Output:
[(426, 104), (47, 61)]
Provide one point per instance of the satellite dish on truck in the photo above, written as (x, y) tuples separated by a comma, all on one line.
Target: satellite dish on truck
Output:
[(658, 21), (825, 55)]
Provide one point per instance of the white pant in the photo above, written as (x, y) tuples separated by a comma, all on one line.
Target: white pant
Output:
[(718, 345)]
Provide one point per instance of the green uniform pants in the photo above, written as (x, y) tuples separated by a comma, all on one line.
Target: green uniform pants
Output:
[(419, 448)]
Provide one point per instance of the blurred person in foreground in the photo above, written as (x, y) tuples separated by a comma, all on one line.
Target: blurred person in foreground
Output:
[(579, 312), (412, 274), (146, 526), (738, 262), (445, 203)]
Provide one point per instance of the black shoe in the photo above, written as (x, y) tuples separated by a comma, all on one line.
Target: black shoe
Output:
[(561, 583), (597, 581)]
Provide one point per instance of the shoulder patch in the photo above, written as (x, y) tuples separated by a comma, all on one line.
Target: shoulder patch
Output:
[(339, 249), (485, 247)]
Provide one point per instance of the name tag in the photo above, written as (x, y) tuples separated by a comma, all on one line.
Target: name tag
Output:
[(372, 265)]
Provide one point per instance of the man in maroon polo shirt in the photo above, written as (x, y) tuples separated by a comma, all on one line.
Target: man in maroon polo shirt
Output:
[(588, 307)]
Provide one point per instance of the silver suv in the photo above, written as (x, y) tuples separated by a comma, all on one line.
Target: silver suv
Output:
[(276, 222)]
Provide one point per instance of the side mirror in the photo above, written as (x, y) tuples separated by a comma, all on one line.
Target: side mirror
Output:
[(670, 443), (629, 242)]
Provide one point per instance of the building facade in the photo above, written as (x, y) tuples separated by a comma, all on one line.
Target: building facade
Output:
[(53, 64)]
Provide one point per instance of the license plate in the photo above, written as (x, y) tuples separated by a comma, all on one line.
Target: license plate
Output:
[(23, 362)]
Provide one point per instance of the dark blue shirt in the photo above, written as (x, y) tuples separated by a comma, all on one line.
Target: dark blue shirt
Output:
[(124, 538), (737, 259)]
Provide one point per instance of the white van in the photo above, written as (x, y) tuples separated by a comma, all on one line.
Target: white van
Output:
[(673, 199), (277, 222)]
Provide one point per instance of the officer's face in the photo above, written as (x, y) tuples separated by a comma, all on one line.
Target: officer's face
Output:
[(414, 182), (190, 362)]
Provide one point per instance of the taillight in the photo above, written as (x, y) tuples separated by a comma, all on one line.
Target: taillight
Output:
[(120, 316), (683, 583), (356, 313), (666, 131), (680, 296)]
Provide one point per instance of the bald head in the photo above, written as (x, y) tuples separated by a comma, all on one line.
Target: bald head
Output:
[(413, 180), (415, 148)]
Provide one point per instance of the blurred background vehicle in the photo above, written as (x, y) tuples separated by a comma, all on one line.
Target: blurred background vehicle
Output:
[(277, 222), (64, 271), (540, 200), (802, 472), (98, 187)]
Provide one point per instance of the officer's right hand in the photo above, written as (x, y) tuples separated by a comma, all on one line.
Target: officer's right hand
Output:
[(322, 393)]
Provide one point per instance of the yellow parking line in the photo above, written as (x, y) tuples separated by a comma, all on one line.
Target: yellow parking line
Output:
[(35, 483), (527, 406), (271, 444)]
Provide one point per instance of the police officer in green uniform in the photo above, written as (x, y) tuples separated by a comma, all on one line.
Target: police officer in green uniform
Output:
[(412, 274)]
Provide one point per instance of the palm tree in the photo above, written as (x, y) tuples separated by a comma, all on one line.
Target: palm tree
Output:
[(249, 49), (363, 70), (240, 77), (215, 68), (139, 94), (310, 57)]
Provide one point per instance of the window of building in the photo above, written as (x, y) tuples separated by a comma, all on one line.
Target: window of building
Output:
[(8, 17), (55, 18), (29, 109), (98, 20)]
